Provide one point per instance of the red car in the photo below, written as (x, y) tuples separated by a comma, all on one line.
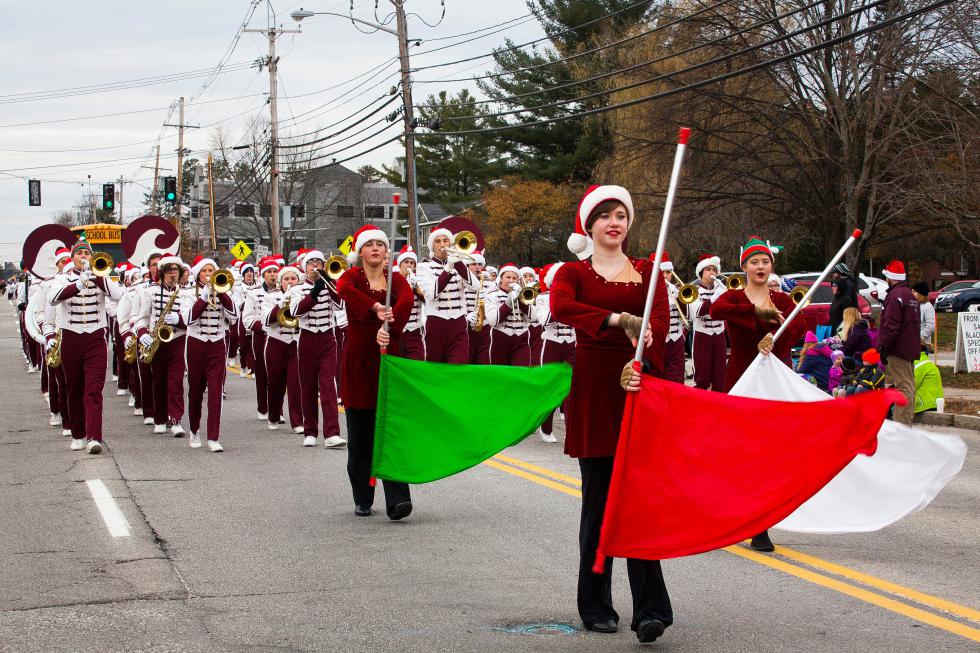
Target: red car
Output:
[(956, 286), (818, 311)]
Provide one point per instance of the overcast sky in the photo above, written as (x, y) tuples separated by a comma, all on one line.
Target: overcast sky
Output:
[(51, 46)]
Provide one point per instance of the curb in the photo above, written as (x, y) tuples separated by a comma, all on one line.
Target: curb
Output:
[(948, 419)]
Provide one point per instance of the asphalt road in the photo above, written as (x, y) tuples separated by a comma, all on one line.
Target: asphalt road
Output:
[(257, 548)]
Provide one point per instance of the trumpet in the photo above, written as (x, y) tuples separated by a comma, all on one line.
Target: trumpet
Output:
[(464, 244), (101, 264), (687, 293), (221, 281), (734, 281)]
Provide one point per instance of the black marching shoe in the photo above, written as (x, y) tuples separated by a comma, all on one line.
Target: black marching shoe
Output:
[(648, 630), (604, 626), (362, 511), (400, 511), (761, 542)]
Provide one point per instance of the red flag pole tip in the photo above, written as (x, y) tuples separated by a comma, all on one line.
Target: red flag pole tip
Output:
[(857, 233), (685, 134), (396, 198)]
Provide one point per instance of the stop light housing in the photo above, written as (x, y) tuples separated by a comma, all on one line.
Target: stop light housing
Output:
[(170, 189), (108, 197)]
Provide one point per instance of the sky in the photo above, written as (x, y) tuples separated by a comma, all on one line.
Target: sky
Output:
[(93, 47)]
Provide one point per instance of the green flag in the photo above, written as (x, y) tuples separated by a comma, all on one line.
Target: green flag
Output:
[(435, 420)]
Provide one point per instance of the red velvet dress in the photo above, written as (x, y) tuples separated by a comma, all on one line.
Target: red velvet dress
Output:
[(745, 330), (583, 299), (362, 356)]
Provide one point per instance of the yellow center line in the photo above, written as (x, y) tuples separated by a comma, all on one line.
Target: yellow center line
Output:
[(805, 574)]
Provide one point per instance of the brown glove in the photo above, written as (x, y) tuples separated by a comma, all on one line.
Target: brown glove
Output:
[(631, 325), (767, 313), (765, 345), (626, 376)]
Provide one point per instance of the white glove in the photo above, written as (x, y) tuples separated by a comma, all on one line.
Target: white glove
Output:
[(128, 342), (453, 259), (513, 294), (146, 340), (171, 318), (84, 279), (206, 292), (48, 344)]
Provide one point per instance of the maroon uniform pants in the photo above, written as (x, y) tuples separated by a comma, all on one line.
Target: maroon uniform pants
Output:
[(509, 350), (231, 340), (168, 382), (674, 360), (446, 341), (413, 345), (146, 388), (122, 367), (205, 370), (535, 342), (258, 366), (708, 352), (282, 371), (44, 374), (556, 352), (84, 357), (245, 346), (479, 345), (317, 353), (341, 334), (58, 397)]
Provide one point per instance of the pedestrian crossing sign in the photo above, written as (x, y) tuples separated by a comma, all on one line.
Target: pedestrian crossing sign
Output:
[(241, 250), (347, 245)]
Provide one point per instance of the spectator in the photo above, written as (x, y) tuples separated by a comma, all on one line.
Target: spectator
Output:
[(836, 371), (815, 360), (775, 283), (870, 376), (844, 288), (898, 338), (847, 377), (928, 383), (873, 330), (927, 313), (854, 333)]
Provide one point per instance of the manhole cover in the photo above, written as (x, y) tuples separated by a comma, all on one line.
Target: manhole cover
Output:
[(538, 629)]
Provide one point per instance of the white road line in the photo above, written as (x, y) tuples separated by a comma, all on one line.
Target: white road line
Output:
[(114, 520)]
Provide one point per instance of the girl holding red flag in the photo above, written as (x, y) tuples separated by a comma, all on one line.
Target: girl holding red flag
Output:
[(751, 315), (363, 289), (601, 296)]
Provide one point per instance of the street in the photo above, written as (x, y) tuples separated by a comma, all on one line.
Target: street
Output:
[(257, 548)]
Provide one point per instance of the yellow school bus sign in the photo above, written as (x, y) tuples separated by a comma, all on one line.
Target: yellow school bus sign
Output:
[(103, 233)]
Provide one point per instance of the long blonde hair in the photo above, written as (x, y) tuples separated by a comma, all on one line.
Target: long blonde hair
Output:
[(850, 317)]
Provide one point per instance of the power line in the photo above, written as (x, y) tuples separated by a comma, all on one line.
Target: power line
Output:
[(341, 131), (530, 16), (319, 157)]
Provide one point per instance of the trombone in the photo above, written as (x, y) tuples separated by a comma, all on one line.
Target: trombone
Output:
[(334, 268), (464, 244), (101, 264), (220, 282), (733, 281), (687, 293), (797, 295)]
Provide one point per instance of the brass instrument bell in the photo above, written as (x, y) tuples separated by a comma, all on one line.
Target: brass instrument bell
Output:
[(101, 264), (335, 267)]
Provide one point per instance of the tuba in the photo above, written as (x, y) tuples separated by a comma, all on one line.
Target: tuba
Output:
[(53, 359), (101, 264)]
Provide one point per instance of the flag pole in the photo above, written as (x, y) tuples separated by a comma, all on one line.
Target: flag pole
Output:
[(675, 176), (396, 200), (816, 284)]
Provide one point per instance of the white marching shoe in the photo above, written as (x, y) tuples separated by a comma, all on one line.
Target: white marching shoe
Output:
[(177, 430), (55, 419), (45, 395), (547, 437), (115, 377), (298, 429), (77, 444), (195, 440), (273, 426), (242, 373), (148, 421), (66, 432), (309, 441), (120, 392), (132, 401), (159, 428), (262, 417), (215, 446), (94, 447), (334, 442), (137, 411)]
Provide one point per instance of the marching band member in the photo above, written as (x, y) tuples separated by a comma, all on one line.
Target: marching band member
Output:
[(185, 275), (363, 289), (317, 351), (708, 342), (479, 338), (413, 335), (253, 325), (58, 389), (240, 293), (601, 298), (674, 346), (752, 314), (281, 361), (144, 370), (33, 353), (34, 315), (164, 302), (509, 319), (443, 279), (80, 298), (207, 320), (125, 319), (557, 341), (491, 273)]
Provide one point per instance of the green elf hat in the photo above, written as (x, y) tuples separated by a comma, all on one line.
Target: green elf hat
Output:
[(81, 243), (756, 246)]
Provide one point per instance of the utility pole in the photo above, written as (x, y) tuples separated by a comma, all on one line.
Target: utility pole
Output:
[(214, 241), (411, 188), (272, 63), (156, 189), (180, 159), (119, 200)]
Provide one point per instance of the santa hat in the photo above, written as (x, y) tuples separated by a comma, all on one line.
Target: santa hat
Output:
[(268, 263), (309, 255), (509, 267), (362, 237), (406, 252), (199, 263), (490, 270), (478, 258), (580, 243), (435, 233), (61, 254), (665, 264), (246, 267), (134, 273), (280, 259), (286, 269), (80, 244), (894, 271), (753, 247), (168, 259), (704, 261), (871, 357), (528, 270), (548, 273), (775, 277)]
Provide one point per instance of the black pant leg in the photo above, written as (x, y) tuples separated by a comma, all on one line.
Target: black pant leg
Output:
[(360, 449), (594, 590), (650, 598)]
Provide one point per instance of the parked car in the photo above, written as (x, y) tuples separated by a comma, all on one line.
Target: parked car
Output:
[(871, 288), (950, 288), (963, 300), (818, 311)]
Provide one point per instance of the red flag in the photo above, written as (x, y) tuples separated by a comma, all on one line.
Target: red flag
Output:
[(698, 470)]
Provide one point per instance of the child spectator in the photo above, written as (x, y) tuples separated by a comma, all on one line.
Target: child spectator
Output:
[(870, 376), (848, 372), (873, 331), (836, 371), (815, 360)]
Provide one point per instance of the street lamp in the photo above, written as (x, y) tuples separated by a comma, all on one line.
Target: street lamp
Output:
[(408, 112)]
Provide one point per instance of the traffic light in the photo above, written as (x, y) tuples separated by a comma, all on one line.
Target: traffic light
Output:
[(108, 197), (170, 189)]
